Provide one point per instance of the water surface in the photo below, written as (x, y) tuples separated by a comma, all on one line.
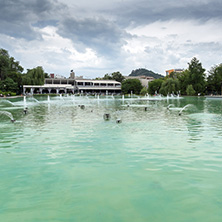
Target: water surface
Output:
[(63, 163)]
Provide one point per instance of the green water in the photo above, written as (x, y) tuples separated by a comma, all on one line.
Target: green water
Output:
[(63, 163)]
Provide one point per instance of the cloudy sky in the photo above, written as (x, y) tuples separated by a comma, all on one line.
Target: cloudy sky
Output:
[(98, 37)]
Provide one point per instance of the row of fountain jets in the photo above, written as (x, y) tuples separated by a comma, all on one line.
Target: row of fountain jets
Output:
[(106, 116)]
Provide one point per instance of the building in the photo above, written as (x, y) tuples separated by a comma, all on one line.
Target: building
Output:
[(98, 86), (72, 75), (168, 72), (77, 85)]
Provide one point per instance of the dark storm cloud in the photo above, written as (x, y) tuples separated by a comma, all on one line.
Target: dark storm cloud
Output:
[(97, 33), (145, 12), (17, 16)]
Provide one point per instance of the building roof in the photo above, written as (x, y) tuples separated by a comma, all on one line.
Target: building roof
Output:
[(98, 81), (49, 86)]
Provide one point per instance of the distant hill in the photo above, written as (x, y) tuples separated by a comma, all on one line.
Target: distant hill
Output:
[(145, 72)]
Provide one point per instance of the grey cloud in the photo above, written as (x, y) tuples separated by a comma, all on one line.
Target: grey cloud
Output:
[(209, 53), (208, 48), (145, 12), (17, 16), (97, 33)]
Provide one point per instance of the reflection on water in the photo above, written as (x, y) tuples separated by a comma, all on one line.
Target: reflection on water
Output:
[(59, 162)]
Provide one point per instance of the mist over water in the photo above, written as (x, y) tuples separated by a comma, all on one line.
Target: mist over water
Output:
[(60, 162)]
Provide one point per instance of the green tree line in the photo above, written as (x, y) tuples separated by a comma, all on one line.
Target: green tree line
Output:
[(12, 77), (192, 81)]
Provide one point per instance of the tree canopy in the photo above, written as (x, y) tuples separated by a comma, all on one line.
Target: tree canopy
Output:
[(12, 77), (197, 75), (194, 77), (214, 80), (154, 86), (35, 76), (114, 76), (170, 86), (131, 85)]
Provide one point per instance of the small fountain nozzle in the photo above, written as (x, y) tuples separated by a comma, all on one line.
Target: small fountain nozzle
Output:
[(118, 121), (106, 116)]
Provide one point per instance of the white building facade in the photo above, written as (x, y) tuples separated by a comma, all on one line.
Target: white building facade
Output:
[(57, 86)]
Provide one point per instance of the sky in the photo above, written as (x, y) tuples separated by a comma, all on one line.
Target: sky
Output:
[(98, 37)]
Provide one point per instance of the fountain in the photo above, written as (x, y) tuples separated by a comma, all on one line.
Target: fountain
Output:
[(24, 100), (48, 99), (168, 107), (123, 97), (60, 96), (106, 116), (7, 101), (25, 110), (118, 121), (32, 98), (188, 105), (8, 114)]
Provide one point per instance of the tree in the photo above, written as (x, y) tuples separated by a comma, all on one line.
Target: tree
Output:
[(131, 85), (10, 72), (154, 86), (35, 76), (107, 77), (184, 81), (169, 86), (114, 76), (4, 63), (196, 75), (118, 76), (190, 91), (46, 75), (214, 80), (9, 85)]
